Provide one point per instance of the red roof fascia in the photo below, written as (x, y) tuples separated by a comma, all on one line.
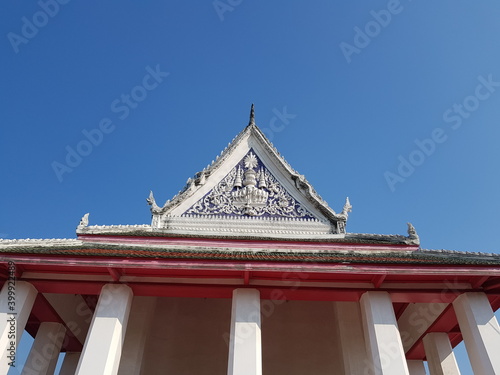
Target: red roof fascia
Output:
[(245, 244)]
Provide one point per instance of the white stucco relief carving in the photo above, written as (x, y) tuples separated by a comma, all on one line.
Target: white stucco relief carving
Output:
[(250, 189)]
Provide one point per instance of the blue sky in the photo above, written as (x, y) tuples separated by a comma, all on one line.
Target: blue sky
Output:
[(394, 104)]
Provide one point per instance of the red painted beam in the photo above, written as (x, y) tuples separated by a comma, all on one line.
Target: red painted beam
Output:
[(477, 282), (246, 277), (377, 280), (43, 311), (455, 338), (115, 274), (295, 292), (495, 302), (492, 284)]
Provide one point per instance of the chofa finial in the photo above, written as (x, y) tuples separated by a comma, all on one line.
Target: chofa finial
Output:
[(412, 234), (347, 207), (151, 199), (84, 221), (252, 116), (411, 230)]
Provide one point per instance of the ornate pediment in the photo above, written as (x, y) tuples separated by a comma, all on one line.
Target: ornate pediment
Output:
[(248, 189)]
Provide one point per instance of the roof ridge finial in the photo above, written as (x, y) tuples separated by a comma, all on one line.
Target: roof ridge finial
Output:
[(252, 116)]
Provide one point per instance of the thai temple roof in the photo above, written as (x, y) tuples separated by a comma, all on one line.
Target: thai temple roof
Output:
[(250, 192), (249, 222), (178, 250), (251, 195)]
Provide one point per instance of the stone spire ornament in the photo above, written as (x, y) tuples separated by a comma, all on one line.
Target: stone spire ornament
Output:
[(252, 116), (262, 180), (237, 181)]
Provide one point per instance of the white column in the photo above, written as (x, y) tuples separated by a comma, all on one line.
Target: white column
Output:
[(383, 341), (352, 341), (70, 363), (13, 321), (439, 354), (141, 315), (416, 367), (245, 344), (480, 331), (44, 353), (103, 346)]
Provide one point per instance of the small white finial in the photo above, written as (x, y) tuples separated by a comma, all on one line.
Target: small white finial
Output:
[(84, 221), (252, 116)]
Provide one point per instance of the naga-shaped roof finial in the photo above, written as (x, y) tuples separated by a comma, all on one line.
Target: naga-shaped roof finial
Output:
[(151, 201), (84, 221), (252, 116), (412, 234)]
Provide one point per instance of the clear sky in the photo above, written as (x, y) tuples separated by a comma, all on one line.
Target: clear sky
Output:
[(392, 103)]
